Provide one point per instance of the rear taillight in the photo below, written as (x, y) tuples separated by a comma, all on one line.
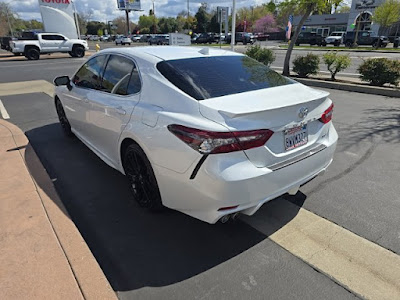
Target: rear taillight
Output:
[(211, 142), (327, 115)]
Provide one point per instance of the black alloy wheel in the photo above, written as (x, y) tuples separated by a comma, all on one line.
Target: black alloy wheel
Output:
[(33, 54), (66, 127), (142, 182), (78, 51)]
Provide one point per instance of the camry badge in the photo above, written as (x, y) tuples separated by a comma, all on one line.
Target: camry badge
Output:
[(303, 112)]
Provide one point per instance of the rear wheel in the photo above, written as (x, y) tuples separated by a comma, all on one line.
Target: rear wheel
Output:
[(143, 183), (66, 127), (32, 54), (71, 54), (349, 44)]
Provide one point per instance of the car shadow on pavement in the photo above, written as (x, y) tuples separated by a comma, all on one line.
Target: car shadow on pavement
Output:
[(135, 248)]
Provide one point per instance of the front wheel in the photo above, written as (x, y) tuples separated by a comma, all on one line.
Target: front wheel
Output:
[(78, 51), (142, 182), (62, 117)]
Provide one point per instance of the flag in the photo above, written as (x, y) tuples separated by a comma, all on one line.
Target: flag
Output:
[(289, 27)]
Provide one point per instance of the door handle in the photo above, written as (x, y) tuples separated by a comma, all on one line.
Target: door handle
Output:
[(120, 110)]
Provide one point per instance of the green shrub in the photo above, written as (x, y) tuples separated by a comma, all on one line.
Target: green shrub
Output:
[(378, 71), (263, 55), (336, 63), (306, 65)]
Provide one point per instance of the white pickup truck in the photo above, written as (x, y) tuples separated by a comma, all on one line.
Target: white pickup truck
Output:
[(45, 43)]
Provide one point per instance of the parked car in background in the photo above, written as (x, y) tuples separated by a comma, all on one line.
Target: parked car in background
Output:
[(207, 38), (194, 37), (159, 40), (105, 38), (94, 38), (136, 38), (335, 38), (46, 43), (311, 38), (145, 38), (122, 40), (261, 36), (195, 132), (365, 38), (241, 37)]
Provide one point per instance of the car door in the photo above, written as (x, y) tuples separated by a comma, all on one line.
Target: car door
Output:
[(47, 43), (60, 42), (86, 83), (110, 110)]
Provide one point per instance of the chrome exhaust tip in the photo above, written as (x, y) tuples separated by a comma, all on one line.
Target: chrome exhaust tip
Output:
[(235, 216), (225, 219)]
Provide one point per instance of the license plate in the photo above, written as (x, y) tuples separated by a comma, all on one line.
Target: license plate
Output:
[(296, 137)]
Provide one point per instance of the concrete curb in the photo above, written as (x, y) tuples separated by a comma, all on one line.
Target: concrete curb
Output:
[(351, 87), (87, 273)]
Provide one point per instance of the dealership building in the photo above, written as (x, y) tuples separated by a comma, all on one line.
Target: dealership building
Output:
[(361, 11)]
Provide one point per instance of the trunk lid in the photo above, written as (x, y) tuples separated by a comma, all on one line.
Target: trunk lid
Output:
[(277, 109)]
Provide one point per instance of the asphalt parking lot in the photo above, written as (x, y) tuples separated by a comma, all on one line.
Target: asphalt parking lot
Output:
[(171, 255)]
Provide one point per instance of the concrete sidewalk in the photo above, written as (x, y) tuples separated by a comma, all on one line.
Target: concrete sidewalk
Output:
[(42, 254)]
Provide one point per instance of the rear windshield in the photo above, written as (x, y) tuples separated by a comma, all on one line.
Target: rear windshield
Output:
[(208, 77)]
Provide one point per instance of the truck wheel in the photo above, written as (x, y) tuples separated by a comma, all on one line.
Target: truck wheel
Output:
[(78, 51), (71, 53), (32, 54)]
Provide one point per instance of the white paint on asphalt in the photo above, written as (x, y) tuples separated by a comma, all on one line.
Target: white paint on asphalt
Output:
[(3, 111), (361, 266)]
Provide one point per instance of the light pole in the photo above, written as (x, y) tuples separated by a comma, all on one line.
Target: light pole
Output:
[(233, 25), (78, 31)]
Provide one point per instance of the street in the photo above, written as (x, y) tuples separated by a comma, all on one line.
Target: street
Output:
[(172, 256)]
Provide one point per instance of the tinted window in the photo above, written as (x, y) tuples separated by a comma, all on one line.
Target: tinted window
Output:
[(119, 73), (209, 77), (58, 37), (47, 37), (89, 76)]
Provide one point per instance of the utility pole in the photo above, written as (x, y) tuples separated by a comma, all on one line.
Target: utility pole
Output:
[(188, 14), (233, 25), (127, 22), (154, 18)]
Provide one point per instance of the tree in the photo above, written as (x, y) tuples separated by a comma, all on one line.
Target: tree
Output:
[(7, 19), (387, 13), (344, 9), (167, 25), (266, 24), (336, 63), (148, 22), (94, 26), (307, 7), (203, 18)]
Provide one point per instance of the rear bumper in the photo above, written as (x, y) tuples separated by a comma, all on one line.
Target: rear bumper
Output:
[(232, 180)]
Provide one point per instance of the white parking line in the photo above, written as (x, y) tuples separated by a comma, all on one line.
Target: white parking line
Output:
[(3, 111)]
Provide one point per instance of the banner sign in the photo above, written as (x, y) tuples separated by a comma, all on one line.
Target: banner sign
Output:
[(128, 4), (58, 17)]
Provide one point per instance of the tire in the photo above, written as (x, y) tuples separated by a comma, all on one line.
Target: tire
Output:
[(349, 44), (375, 45), (78, 51), (66, 127), (140, 174), (129, 44), (336, 44), (297, 44), (116, 44), (32, 54), (71, 54)]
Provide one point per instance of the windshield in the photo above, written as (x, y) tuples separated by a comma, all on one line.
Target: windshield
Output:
[(209, 77)]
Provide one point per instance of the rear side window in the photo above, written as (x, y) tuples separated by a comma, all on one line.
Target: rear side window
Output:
[(209, 77), (89, 75), (121, 76)]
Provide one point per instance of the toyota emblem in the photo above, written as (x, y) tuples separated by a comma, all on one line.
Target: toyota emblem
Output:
[(303, 112)]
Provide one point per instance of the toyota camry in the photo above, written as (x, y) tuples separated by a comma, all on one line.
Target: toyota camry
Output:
[(207, 132)]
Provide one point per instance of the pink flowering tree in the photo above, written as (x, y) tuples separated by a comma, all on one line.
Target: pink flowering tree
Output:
[(266, 24)]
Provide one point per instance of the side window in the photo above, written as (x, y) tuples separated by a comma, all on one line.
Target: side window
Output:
[(118, 75), (47, 37), (58, 38), (89, 75), (135, 84)]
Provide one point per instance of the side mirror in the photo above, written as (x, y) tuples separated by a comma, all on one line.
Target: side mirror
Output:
[(63, 80)]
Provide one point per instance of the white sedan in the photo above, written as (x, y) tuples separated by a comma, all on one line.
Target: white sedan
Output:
[(122, 40), (207, 132)]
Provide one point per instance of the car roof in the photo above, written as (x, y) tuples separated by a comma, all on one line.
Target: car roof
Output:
[(171, 52)]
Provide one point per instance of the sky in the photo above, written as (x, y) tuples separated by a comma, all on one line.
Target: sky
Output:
[(106, 10)]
